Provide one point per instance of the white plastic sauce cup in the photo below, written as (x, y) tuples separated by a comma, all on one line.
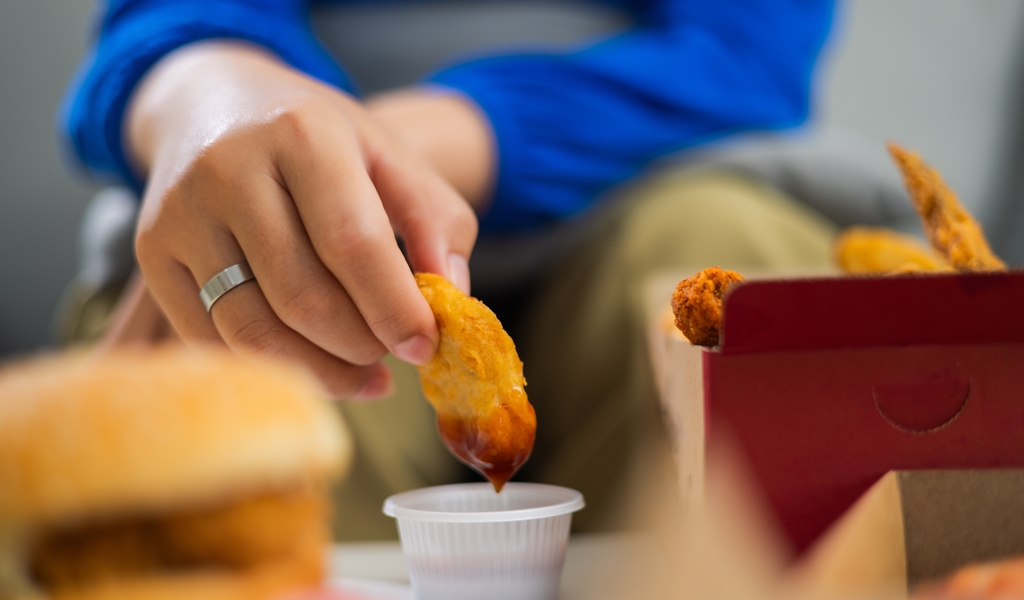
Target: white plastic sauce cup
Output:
[(466, 542)]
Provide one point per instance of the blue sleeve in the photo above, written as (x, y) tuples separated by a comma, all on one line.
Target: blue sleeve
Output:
[(134, 34), (571, 125)]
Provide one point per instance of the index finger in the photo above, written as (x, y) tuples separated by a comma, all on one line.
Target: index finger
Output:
[(352, 235)]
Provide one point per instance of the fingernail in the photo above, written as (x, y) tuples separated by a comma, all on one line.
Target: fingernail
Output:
[(458, 271), (416, 350), (379, 385)]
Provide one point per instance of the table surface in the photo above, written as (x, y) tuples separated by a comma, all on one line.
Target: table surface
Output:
[(589, 563)]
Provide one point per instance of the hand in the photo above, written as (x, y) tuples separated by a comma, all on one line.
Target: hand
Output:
[(137, 319), (249, 160)]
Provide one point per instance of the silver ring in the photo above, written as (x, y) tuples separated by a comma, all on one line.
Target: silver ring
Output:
[(224, 282)]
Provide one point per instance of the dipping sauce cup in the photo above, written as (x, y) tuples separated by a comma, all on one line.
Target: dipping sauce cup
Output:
[(466, 542)]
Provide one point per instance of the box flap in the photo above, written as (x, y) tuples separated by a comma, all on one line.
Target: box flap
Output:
[(849, 312), (863, 551)]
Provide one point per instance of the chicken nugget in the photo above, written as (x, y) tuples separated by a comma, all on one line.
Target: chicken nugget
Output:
[(949, 227), (475, 383), (869, 250), (697, 304)]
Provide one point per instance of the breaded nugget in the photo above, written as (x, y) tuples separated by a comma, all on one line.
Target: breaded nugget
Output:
[(870, 250), (697, 304), (475, 383), (667, 323), (949, 227)]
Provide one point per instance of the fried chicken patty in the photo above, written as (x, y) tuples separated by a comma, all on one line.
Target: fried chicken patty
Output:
[(240, 536), (697, 304)]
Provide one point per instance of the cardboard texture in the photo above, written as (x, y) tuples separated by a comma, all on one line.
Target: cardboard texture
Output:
[(826, 384), (915, 527)]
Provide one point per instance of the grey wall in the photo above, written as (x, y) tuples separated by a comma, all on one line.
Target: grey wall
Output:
[(941, 76), (41, 42), (385, 46), (936, 75)]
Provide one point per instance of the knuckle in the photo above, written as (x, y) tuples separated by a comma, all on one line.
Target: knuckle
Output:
[(466, 223), (458, 211), (310, 307), (294, 123), (368, 354), (145, 246), (342, 387), (306, 307), (398, 324), (152, 244), (219, 188), (302, 121), (216, 165), (354, 243), (258, 336)]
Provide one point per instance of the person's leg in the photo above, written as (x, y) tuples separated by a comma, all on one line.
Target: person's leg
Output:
[(586, 364)]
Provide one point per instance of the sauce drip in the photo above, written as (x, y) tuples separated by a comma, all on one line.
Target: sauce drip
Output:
[(496, 457)]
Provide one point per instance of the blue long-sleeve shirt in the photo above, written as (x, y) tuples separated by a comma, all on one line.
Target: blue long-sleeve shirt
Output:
[(568, 125)]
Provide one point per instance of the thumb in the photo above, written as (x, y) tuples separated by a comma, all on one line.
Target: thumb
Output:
[(436, 223)]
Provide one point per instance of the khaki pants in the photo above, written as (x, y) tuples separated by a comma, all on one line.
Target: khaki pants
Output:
[(581, 339)]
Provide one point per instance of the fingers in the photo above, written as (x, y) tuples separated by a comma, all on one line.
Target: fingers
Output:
[(438, 226), (302, 292), (249, 326), (333, 289), (137, 318), (175, 291), (243, 318), (351, 233)]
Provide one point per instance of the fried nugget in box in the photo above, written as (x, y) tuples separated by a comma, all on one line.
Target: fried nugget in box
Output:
[(871, 250), (697, 304)]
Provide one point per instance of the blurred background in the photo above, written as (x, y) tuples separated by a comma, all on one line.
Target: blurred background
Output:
[(944, 77)]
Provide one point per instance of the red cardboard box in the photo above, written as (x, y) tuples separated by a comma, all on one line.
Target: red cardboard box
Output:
[(826, 384)]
